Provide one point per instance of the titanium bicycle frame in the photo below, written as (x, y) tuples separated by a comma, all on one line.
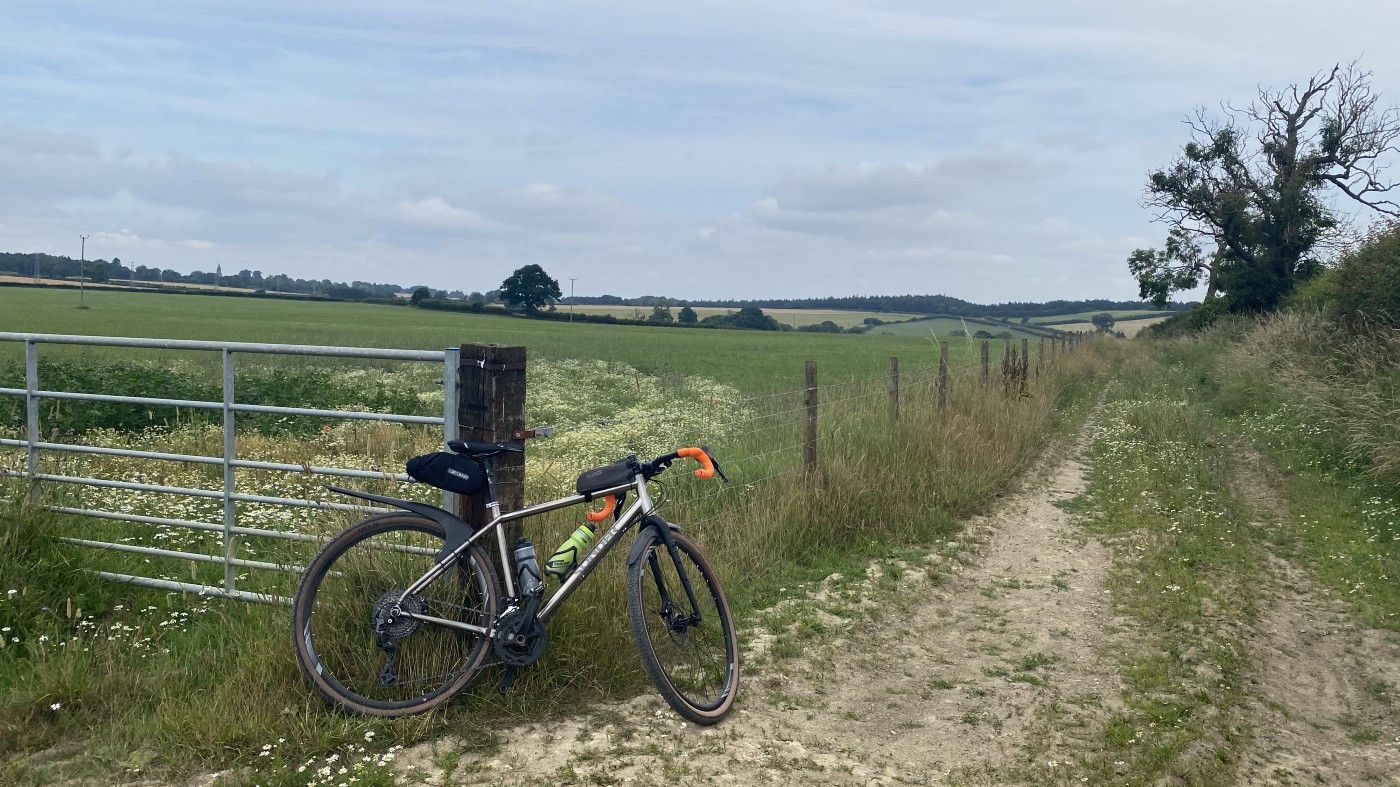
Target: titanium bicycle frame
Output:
[(639, 510)]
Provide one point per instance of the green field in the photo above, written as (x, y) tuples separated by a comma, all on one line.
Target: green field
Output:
[(793, 317), (942, 328), (1118, 314), (753, 361)]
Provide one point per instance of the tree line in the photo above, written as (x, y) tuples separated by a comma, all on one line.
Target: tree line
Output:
[(50, 266)]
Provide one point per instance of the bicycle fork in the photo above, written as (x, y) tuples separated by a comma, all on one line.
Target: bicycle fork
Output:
[(668, 605)]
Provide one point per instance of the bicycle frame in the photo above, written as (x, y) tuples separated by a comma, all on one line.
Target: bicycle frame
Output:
[(634, 513)]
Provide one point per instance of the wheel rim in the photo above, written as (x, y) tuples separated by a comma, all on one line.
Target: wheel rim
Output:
[(694, 656), (378, 669)]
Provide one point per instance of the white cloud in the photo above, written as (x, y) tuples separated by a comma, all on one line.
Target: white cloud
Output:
[(722, 149)]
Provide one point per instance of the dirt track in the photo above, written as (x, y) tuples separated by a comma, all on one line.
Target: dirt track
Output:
[(939, 674)]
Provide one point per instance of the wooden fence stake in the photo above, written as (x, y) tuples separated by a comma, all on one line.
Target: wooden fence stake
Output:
[(986, 365), (942, 375), (894, 388), (1025, 358), (809, 431), (490, 409)]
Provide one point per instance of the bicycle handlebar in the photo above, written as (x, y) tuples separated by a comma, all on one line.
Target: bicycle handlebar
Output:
[(599, 516), (707, 465)]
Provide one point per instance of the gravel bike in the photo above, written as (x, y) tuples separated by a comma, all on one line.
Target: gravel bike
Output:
[(400, 612)]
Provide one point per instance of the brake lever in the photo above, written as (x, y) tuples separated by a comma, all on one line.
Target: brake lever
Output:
[(715, 462)]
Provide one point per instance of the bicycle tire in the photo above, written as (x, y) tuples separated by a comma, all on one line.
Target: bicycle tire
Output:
[(333, 629), (695, 668)]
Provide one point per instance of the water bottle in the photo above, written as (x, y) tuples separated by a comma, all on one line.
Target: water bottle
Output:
[(527, 568), (566, 556)]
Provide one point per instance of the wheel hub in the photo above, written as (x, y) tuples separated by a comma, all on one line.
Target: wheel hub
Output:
[(390, 616)]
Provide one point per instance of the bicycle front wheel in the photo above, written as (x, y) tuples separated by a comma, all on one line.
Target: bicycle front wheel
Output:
[(362, 657), (689, 650)]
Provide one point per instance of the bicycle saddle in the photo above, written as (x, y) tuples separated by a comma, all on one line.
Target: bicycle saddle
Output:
[(482, 450)]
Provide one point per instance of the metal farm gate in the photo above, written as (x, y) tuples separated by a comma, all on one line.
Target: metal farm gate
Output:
[(34, 393)]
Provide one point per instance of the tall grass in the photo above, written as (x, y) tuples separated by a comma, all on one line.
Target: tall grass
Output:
[(1320, 402), (156, 681), (1343, 383)]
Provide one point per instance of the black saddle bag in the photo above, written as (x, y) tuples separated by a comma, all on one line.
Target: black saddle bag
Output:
[(448, 471)]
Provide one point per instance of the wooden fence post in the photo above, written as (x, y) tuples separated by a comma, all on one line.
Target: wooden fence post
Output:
[(1025, 358), (986, 357), (1040, 354), (942, 375), (894, 388), (809, 431), (490, 409)]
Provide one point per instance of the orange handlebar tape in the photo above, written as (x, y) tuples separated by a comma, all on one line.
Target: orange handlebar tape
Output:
[(599, 516), (707, 467)]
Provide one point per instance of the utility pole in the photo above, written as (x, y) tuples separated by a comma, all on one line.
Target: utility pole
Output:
[(572, 279), (82, 267)]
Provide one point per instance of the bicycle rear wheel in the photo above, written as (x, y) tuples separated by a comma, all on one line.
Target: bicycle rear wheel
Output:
[(360, 656), (690, 652)]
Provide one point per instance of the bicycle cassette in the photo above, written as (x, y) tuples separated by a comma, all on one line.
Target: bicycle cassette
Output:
[(520, 639), (397, 626)]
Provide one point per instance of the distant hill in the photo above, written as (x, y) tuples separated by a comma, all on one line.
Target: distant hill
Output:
[(917, 304), (55, 267)]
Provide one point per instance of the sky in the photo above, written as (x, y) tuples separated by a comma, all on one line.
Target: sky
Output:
[(726, 149)]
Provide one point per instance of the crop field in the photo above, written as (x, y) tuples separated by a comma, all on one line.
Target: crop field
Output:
[(120, 284), (793, 317), (941, 329), (1128, 328), (753, 361), (1118, 314)]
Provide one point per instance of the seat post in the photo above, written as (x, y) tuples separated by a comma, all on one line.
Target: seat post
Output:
[(491, 501)]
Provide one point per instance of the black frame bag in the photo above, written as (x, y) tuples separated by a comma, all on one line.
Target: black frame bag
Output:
[(448, 471)]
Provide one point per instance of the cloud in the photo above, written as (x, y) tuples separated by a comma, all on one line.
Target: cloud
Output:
[(727, 149)]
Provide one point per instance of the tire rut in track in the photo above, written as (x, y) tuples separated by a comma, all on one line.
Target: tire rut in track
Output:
[(1323, 704)]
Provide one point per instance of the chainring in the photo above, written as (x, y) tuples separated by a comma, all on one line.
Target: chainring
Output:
[(520, 639), (396, 626)]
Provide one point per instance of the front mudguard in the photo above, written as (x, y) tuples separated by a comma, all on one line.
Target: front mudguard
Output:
[(661, 527)]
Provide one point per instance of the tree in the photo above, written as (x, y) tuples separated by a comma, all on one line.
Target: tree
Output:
[(661, 314), (529, 288), (749, 317), (687, 316), (1104, 322), (1257, 186), (419, 295)]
